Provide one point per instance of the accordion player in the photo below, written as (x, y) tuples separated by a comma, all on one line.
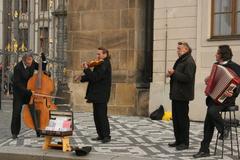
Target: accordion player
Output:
[(220, 80)]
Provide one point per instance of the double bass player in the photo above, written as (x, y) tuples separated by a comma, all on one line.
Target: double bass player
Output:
[(23, 71)]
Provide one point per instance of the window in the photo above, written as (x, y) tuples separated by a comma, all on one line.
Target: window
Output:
[(44, 40), (24, 7), (225, 19), (238, 17), (23, 36), (44, 5)]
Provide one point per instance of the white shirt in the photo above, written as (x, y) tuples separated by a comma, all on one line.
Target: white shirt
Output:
[(24, 65), (224, 62)]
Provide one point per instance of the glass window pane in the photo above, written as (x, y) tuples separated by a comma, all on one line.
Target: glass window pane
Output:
[(222, 24), (223, 5), (44, 5), (23, 36), (238, 5), (238, 23), (24, 6), (44, 42)]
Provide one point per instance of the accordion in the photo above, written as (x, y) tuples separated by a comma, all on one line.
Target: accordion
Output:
[(221, 79)]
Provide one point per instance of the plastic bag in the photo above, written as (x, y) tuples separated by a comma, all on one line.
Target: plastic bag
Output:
[(157, 114)]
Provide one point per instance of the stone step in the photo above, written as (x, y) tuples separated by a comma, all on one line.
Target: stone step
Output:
[(24, 153)]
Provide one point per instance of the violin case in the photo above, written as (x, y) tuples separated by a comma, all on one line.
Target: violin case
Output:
[(61, 124)]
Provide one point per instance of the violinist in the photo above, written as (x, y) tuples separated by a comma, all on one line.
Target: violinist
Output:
[(98, 92), (23, 71)]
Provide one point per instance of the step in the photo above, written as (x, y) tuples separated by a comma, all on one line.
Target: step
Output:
[(27, 153)]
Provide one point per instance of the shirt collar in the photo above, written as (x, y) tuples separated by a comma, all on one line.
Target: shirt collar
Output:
[(24, 65), (224, 62)]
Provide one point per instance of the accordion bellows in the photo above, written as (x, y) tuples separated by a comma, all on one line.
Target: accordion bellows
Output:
[(221, 79)]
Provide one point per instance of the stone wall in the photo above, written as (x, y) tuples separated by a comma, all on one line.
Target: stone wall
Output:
[(117, 25), (1, 25)]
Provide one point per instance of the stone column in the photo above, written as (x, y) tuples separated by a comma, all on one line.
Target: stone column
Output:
[(117, 25)]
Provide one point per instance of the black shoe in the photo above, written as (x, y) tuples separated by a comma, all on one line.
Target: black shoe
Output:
[(181, 147), (201, 154), (225, 134), (38, 134), (174, 144), (106, 139), (14, 136), (82, 151), (97, 139)]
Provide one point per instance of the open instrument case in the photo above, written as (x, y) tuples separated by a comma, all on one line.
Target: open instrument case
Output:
[(61, 124)]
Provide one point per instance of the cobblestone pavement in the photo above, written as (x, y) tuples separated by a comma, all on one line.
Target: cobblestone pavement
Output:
[(135, 136), (5, 119)]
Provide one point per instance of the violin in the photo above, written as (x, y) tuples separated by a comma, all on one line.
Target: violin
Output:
[(92, 63)]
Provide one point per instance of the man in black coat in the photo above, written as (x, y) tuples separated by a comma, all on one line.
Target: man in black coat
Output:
[(23, 71), (98, 92), (181, 92), (213, 117)]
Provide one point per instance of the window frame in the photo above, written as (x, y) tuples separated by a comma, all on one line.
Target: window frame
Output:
[(24, 36), (233, 35), (44, 7), (44, 39), (24, 9)]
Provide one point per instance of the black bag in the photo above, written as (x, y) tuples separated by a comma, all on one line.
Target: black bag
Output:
[(157, 114)]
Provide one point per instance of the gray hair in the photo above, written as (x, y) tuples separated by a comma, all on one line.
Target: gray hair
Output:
[(27, 54)]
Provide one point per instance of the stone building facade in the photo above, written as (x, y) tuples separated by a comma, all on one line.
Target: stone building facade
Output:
[(190, 21), (118, 25), (124, 27)]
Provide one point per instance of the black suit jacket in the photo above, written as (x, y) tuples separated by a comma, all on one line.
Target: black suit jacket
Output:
[(99, 82), (21, 76)]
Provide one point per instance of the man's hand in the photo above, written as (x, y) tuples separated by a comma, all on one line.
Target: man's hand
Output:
[(170, 72), (85, 65), (228, 93), (77, 78), (206, 80)]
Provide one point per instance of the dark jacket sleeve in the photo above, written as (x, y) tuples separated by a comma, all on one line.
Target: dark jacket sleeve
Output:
[(17, 81), (97, 74), (187, 75), (44, 65), (84, 78)]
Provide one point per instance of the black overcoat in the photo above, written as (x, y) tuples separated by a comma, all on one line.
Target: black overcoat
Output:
[(183, 80), (99, 82)]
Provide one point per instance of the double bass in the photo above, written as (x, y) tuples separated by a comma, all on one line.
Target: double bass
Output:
[(36, 113)]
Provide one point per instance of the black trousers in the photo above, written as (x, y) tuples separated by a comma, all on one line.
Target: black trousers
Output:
[(181, 122), (101, 119), (213, 119), (16, 114)]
